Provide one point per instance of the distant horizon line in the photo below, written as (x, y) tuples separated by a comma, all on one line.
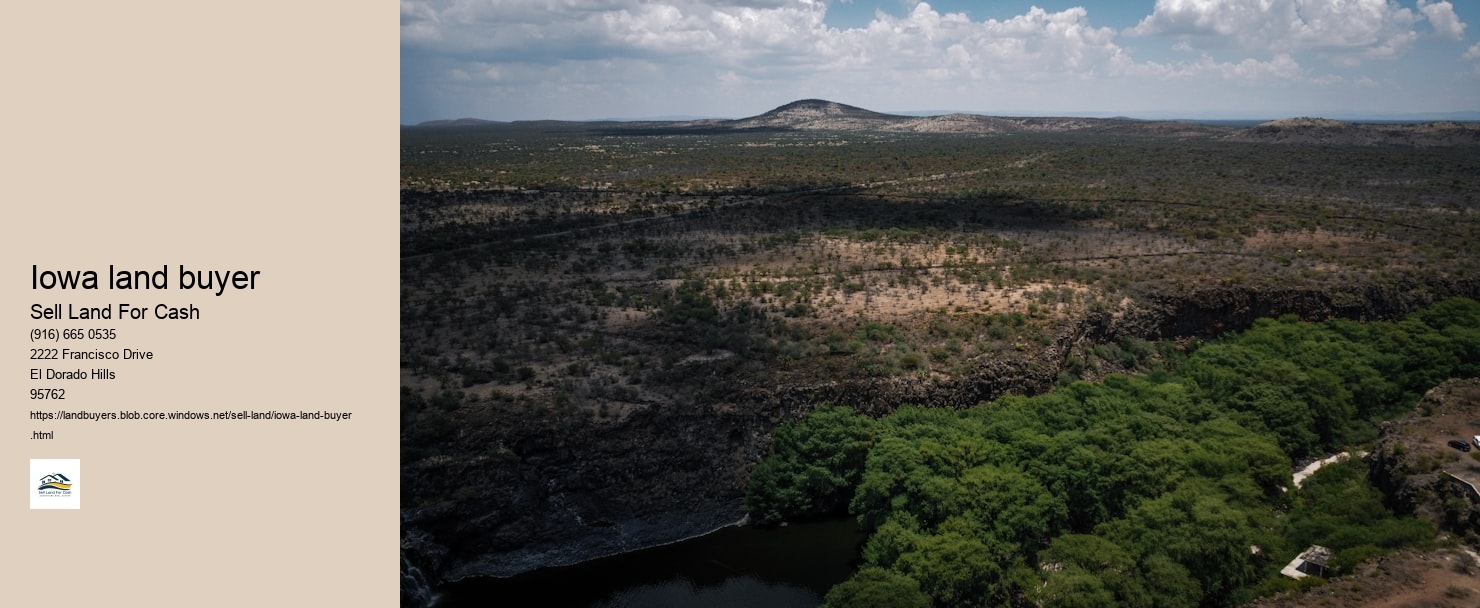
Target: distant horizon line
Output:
[(1168, 115)]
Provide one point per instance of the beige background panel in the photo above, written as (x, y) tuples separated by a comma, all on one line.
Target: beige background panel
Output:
[(249, 136)]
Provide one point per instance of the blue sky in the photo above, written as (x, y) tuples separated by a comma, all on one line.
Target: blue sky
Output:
[(589, 59)]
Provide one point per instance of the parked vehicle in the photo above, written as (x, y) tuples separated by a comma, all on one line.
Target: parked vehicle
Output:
[(1459, 445)]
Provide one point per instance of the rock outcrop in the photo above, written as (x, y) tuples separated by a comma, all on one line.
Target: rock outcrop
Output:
[(1416, 469)]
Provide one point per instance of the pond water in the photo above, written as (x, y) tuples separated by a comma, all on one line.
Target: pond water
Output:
[(783, 567)]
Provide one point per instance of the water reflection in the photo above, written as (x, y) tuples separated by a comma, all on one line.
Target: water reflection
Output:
[(790, 567)]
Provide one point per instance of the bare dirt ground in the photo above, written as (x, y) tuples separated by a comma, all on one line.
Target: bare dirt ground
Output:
[(1455, 416), (1448, 578)]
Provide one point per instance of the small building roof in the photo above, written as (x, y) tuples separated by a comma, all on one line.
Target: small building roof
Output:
[(1310, 561)]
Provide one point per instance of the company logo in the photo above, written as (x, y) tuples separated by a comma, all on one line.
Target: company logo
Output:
[(56, 482)]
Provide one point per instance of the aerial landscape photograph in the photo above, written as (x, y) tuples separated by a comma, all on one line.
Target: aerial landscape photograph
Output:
[(887, 303)]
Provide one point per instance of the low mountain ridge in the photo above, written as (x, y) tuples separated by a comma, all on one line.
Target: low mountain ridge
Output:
[(817, 114), (459, 122), (811, 108), (1324, 131), (825, 115)]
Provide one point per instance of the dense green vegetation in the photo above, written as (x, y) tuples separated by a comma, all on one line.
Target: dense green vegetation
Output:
[(1168, 489)]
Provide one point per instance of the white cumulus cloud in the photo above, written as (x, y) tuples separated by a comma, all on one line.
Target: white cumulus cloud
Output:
[(952, 43), (1472, 53), (1374, 28), (1441, 16), (601, 58)]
